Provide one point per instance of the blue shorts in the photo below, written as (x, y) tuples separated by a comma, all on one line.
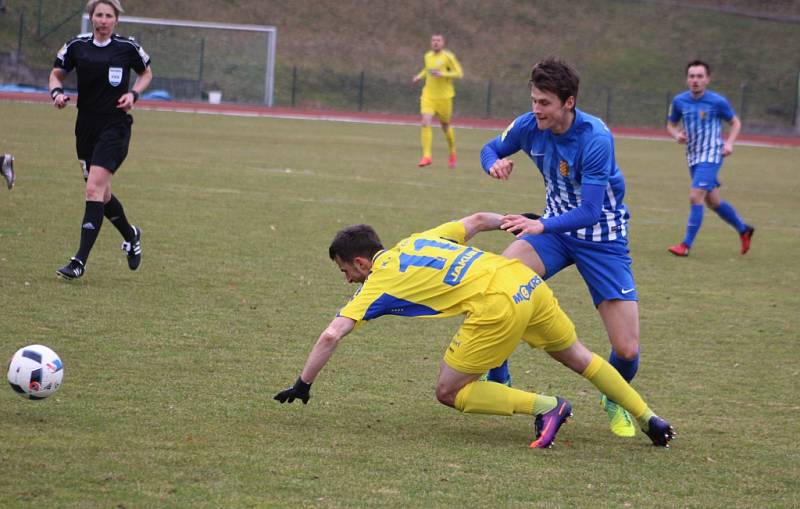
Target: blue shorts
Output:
[(704, 175), (604, 266)]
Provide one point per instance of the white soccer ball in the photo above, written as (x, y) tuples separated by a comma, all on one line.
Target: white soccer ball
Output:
[(35, 372)]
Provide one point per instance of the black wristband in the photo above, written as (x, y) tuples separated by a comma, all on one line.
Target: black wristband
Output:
[(54, 92), (300, 384), (135, 95)]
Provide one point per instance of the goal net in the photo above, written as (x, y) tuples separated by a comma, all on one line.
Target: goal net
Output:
[(194, 60)]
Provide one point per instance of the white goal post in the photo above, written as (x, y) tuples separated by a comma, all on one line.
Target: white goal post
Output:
[(270, 31)]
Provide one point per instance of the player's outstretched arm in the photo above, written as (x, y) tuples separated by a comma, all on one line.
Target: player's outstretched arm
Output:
[(480, 222), (319, 356), (521, 224)]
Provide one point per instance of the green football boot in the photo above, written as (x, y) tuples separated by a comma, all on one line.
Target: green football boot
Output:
[(620, 421)]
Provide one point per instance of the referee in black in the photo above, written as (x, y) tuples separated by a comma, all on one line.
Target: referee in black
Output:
[(103, 61)]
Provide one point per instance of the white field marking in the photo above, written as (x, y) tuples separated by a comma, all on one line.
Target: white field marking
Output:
[(354, 119), (357, 120)]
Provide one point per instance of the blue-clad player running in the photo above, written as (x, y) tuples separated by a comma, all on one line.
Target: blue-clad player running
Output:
[(584, 222), (702, 112)]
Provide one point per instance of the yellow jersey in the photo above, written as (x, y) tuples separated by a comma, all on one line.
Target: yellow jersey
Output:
[(429, 274), (440, 87)]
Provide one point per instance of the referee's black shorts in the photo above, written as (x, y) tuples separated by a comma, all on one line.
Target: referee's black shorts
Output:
[(102, 140)]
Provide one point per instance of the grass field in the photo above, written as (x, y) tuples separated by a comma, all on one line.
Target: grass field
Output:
[(170, 371)]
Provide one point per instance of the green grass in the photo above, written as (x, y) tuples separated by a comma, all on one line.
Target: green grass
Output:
[(170, 370)]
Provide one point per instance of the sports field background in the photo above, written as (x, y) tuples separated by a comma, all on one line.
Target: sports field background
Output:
[(361, 55), (170, 370)]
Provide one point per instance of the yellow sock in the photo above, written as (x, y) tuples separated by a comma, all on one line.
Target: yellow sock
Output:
[(451, 139), (426, 136), (610, 382), (493, 398)]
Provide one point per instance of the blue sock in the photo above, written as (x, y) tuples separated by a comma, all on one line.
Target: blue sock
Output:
[(499, 374), (627, 368), (693, 225), (729, 215)]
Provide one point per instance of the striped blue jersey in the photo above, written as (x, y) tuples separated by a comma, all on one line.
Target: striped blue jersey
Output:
[(702, 121), (583, 154)]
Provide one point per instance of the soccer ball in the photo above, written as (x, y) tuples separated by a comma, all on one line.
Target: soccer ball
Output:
[(35, 372)]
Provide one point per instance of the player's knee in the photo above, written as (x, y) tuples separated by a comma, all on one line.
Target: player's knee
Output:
[(94, 192), (697, 196), (446, 395), (628, 349)]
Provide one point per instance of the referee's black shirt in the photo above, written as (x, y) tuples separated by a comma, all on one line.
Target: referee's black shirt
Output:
[(104, 72)]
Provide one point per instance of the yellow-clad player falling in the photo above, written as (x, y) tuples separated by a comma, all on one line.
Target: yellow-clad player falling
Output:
[(441, 67), (435, 274)]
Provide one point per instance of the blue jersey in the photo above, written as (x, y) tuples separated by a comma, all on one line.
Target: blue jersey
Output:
[(584, 154), (702, 121)]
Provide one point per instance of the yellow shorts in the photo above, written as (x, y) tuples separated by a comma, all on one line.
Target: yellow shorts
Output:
[(517, 306), (442, 108)]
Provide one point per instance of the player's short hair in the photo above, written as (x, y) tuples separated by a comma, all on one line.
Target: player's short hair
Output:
[(357, 240), (91, 5), (555, 76), (695, 63)]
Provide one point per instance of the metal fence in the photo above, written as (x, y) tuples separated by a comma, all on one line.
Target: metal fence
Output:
[(771, 108), (190, 67)]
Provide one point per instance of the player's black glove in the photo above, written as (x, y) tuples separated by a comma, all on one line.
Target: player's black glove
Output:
[(299, 390)]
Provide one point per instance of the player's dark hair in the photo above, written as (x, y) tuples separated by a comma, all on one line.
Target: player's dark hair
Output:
[(695, 63), (556, 76), (357, 240)]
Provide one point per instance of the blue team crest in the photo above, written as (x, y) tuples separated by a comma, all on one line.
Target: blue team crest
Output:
[(115, 76), (702, 114), (563, 168)]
